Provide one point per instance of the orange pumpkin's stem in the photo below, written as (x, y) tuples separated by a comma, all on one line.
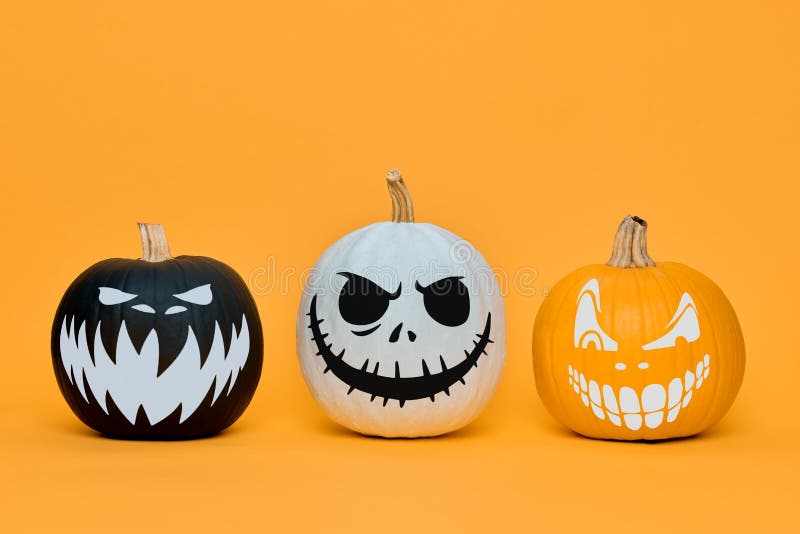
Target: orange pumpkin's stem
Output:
[(154, 243), (630, 245), (402, 207)]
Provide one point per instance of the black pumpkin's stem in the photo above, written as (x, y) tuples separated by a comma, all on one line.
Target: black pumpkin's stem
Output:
[(154, 242), (630, 245)]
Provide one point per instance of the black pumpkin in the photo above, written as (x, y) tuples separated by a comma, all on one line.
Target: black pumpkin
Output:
[(157, 348)]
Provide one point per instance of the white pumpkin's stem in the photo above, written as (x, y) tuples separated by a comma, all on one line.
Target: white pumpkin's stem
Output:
[(402, 207), (154, 242), (630, 245)]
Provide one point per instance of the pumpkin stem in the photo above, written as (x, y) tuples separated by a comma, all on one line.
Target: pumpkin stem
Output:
[(154, 242), (630, 245), (402, 207)]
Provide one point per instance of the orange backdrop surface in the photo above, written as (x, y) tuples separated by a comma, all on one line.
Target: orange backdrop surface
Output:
[(260, 132)]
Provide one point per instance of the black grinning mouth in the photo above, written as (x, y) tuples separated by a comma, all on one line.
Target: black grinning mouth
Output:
[(401, 388)]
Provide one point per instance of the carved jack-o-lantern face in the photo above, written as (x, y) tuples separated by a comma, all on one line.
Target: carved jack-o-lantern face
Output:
[(401, 331), (637, 351)]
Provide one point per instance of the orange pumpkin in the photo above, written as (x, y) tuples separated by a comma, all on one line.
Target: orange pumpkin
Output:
[(636, 350)]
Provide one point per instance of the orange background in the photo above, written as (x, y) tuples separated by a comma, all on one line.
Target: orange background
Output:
[(263, 130)]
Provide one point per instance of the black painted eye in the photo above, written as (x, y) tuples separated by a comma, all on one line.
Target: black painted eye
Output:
[(362, 301), (446, 300)]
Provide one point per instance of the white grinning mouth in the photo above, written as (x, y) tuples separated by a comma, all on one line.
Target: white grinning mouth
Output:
[(631, 407)]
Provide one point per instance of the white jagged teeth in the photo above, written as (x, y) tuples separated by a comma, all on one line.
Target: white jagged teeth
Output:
[(687, 398), (633, 421), (653, 398), (629, 400), (614, 418), (689, 378), (583, 383), (706, 360), (598, 411), (652, 420), (594, 393), (610, 399), (675, 391)]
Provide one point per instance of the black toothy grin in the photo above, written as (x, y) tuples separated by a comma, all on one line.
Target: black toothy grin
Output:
[(401, 388)]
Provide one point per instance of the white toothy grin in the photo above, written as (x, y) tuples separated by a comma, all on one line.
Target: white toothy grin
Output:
[(632, 407)]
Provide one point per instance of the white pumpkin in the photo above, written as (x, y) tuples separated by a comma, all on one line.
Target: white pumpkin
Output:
[(401, 328)]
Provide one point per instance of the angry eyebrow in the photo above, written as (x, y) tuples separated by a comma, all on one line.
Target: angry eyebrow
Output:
[(111, 296), (199, 295)]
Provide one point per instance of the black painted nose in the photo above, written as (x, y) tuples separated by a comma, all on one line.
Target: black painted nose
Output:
[(395, 335)]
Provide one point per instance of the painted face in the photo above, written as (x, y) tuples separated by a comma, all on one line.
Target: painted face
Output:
[(613, 353), (392, 344), (161, 341), (363, 305)]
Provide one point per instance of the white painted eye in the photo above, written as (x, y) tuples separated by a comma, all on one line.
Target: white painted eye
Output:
[(110, 296), (143, 308), (588, 332), (175, 309), (683, 324), (200, 295)]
